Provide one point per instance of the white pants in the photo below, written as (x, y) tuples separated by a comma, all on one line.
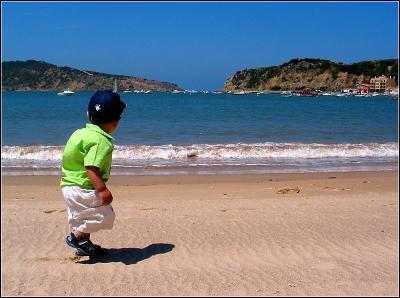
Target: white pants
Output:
[(85, 212)]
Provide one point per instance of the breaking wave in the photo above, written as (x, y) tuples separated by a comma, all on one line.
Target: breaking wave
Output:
[(217, 152), (258, 157)]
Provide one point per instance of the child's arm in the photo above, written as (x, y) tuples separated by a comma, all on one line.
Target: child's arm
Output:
[(94, 175)]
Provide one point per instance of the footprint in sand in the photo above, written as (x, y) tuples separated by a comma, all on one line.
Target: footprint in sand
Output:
[(24, 199), (148, 209), (32, 261), (48, 211), (239, 209), (335, 188), (288, 190)]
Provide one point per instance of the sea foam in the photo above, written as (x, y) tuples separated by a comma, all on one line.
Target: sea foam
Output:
[(215, 152)]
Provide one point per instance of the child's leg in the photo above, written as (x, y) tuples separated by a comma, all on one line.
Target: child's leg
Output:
[(85, 216), (78, 234), (85, 212)]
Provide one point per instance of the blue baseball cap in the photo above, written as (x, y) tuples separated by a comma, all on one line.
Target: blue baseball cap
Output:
[(105, 106)]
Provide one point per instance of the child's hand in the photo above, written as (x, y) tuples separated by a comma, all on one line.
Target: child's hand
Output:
[(94, 175), (105, 196)]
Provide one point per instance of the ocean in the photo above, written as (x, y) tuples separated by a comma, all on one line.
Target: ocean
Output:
[(165, 133)]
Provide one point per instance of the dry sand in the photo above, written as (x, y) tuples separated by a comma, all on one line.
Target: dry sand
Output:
[(321, 234)]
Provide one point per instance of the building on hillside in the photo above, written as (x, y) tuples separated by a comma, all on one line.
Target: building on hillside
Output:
[(392, 90), (349, 91), (363, 89), (380, 84)]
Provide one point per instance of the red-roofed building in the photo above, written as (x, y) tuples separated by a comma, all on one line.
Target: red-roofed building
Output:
[(379, 84), (363, 88)]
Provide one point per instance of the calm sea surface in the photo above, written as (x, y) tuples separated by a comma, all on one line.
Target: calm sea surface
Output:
[(166, 133)]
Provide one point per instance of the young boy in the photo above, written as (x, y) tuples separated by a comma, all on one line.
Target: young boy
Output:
[(86, 165)]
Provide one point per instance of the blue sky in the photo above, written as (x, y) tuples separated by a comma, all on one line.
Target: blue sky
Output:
[(196, 44)]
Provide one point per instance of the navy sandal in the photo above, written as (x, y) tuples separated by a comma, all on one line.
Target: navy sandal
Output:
[(83, 245), (99, 251)]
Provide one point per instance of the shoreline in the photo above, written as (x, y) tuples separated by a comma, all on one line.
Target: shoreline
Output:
[(166, 170), (297, 234), (208, 178)]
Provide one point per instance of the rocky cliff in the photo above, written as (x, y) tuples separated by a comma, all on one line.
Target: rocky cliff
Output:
[(35, 75), (308, 73)]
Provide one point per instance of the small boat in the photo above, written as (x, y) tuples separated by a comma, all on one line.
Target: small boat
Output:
[(286, 93), (66, 93), (326, 94), (115, 86), (143, 91), (239, 93)]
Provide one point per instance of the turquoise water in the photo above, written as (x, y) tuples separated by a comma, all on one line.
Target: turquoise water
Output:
[(164, 130)]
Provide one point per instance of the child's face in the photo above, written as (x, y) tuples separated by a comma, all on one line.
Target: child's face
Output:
[(113, 126)]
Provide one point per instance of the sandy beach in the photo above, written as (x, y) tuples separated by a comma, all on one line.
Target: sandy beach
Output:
[(315, 234)]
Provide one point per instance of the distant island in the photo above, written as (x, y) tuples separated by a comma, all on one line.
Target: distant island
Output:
[(313, 74), (32, 75)]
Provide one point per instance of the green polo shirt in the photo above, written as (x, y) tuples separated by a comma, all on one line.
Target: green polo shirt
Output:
[(89, 146)]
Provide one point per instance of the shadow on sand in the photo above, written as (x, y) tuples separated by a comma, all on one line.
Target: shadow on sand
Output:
[(129, 256)]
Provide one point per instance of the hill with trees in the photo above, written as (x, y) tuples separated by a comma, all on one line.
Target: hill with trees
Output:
[(308, 73), (32, 75)]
